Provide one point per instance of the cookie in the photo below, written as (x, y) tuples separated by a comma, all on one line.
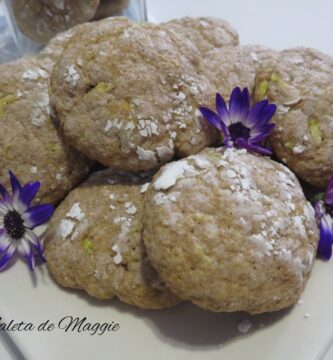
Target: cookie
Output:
[(206, 33), (230, 231), (233, 66), (110, 7), (94, 242), (126, 94), (31, 146), (42, 19), (300, 84)]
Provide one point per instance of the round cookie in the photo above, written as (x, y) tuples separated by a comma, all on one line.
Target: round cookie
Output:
[(230, 231), (42, 19), (206, 33), (300, 84), (30, 144), (110, 7), (127, 95), (233, 66), (94, 242)]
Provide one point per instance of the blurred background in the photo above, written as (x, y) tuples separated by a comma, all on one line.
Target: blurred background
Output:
[(278, 24)]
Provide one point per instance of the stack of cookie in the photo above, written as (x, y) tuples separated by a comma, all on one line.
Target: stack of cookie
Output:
[(223, 228)]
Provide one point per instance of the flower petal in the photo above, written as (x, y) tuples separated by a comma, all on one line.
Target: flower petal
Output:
[(252, 125), (320, 209), (16, 186), (35, 241), (5, 241), (5, 259), (28, 192), (37, 215), (228, 142), (260, 149), (254, 114), (240, 142), (26, 252), (4, 208), (236, 105), (326, 237), (267, 113), (260, 133), (245, 104), (222, 110), (211, 117)]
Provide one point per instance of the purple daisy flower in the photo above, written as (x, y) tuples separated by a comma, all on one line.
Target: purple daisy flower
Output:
[(240, 125), (324, 213), (19, 222)]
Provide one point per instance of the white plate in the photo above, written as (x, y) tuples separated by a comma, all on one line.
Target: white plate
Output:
[(187, 332), (184, 332)]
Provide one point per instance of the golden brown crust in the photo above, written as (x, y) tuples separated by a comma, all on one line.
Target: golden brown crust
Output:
[(299, 81), (94, 242), (127, 95)]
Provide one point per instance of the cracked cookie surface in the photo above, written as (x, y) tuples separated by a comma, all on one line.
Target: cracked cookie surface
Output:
[(31, 146), (299, 82), (108, 259), (127, 95), (230, 231)]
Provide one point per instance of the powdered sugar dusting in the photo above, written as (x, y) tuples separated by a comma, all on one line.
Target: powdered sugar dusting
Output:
[(170, 174), (144, 187), (147, 128), (75, 219), (117, 259), (145, 155), (75, 212), (125, 224), (41, 109), (164, 152), (257, 206), (108, 126), (274, 217), (66, 228), (161, 198), (201, 162), (71, 75), (35, 74), (299, 149), (130, 208), (80, 227), (261, 243)]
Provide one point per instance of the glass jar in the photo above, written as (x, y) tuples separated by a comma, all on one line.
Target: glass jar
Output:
[(34, 22)]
